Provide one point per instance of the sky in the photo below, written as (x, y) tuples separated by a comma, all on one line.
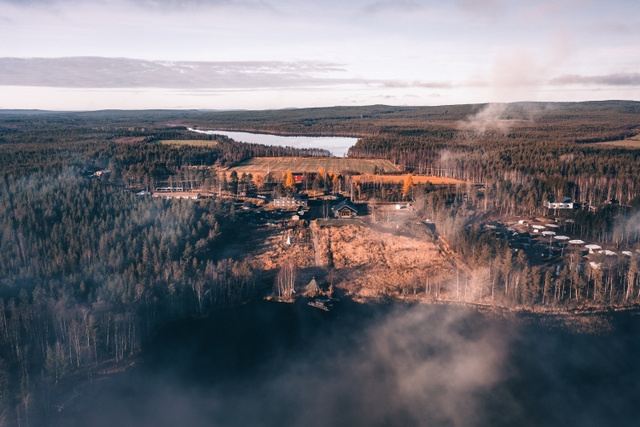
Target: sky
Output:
[(267, 54)]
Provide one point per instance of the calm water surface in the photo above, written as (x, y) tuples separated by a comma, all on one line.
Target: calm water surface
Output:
[(337, 145)]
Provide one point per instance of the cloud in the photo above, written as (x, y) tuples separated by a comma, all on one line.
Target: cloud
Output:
[(392, 6), (515, 69), (181, 4), (153, 3), (614, 27), (419, 84), (98, 72), (490, 8), (615, 79), (123, 73)]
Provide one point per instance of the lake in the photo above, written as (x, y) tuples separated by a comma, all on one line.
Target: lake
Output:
[(337, 145), (273, 364)]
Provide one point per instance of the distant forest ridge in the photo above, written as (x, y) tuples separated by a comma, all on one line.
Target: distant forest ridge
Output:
[(358, 120)]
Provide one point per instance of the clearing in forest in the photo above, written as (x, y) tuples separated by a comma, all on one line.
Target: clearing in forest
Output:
[(632, 143), (364, 261), (191, 142), (263, 165)]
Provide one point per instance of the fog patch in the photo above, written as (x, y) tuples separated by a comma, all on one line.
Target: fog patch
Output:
[(423, 365), (490, 117), (502, 118), (274, 364)]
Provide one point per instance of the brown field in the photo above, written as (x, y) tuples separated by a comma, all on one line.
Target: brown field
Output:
[(362, 261), (399, 179), (262, 165), (130, 139), (631, 143), (192, 142)]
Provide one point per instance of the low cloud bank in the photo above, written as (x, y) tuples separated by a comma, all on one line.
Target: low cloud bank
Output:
[(99, 72)]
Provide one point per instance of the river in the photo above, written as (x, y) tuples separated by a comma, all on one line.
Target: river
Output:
[(271, 364), (337, 145)]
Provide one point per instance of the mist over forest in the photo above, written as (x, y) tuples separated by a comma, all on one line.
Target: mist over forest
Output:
[(136, 263), (268, 364)]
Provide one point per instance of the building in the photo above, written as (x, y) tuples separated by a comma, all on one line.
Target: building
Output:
[(566, 203), (178, 195), (312, 288), (102, 173), (345, 209), (292, 201)]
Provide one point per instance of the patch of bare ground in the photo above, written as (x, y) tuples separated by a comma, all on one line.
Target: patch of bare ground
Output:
[(631, 143), (277, 245), (366, 262), (130, 139)]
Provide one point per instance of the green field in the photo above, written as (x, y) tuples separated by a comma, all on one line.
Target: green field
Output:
[(263, 165), (191, 142)]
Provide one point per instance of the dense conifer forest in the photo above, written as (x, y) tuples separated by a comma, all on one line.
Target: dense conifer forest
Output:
[(90, 269)]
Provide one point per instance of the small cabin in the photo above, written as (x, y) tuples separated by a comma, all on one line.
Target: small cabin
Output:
[(344, 209), (312, 288)]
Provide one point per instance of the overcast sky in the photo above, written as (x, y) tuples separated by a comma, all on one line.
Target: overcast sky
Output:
[(86, 54)]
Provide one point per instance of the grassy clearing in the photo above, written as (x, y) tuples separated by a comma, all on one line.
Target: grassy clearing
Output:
[(262, 165), (399, 179), (190, 142)]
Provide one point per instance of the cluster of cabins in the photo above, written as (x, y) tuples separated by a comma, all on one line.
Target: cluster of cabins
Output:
[(568, 203), (342, 209), (544, 242)]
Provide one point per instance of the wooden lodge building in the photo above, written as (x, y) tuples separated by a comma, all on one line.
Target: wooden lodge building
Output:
[(345, 209)]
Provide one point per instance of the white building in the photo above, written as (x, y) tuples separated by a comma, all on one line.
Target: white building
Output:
[(566, 203)]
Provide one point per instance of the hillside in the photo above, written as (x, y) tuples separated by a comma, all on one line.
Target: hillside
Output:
[(364, 261)]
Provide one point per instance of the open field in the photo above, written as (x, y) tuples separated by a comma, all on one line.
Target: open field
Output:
[(399, 179), (366, 262), (263, 165), (191, 142), (632, 143), (129, 139)]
